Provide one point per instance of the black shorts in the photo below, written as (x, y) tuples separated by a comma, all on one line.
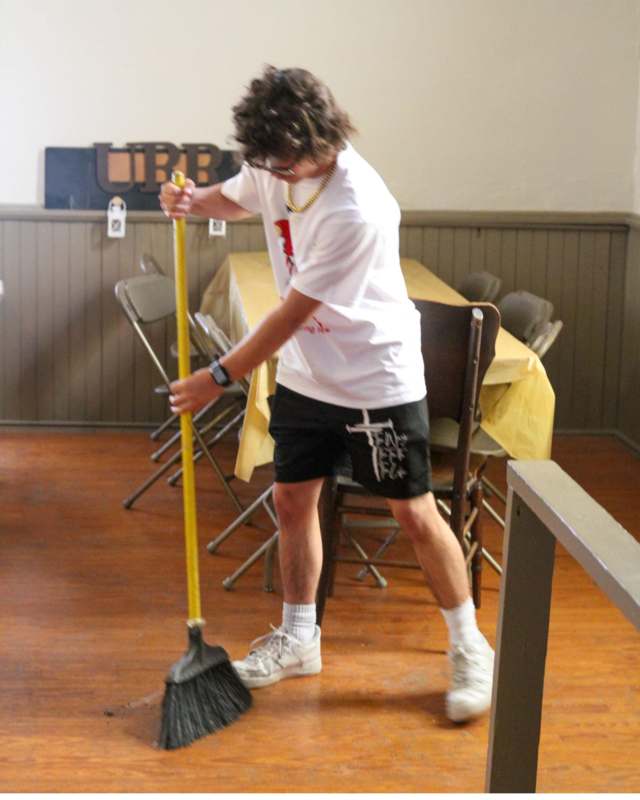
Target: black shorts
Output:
[(384, 449)]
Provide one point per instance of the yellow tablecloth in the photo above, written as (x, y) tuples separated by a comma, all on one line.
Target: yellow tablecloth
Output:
[(516, 398)]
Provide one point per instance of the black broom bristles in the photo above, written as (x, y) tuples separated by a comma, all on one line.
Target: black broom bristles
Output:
[(203, 694)]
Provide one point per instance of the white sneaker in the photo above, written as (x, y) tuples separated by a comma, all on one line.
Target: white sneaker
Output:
[(279, 655), (472, 682)]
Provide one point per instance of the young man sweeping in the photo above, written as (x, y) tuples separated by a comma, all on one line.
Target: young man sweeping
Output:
[(349, 342)]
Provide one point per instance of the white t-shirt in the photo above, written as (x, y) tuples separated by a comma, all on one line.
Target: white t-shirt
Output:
[(362, 347)]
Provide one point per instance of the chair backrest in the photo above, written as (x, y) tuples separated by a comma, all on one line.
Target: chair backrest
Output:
[(522, 313), (150, 266), (149, 297), (545, 337), (446, 341), (141, 306), (458, 344), (480, 287), (218, 343)]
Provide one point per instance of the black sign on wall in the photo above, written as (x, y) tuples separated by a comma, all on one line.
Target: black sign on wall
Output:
[(88, 177)]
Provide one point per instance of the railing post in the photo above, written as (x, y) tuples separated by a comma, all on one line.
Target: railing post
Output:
[(522, 632)]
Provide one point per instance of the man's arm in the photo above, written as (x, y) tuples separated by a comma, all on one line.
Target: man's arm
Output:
[(208, 201), (275, 329), (204, 201)]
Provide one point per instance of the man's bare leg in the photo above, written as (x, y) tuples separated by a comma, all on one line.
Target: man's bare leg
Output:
[(300, 542), (436, 547), (294, 648), (442, 562)]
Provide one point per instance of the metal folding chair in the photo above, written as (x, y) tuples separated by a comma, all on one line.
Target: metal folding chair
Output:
[(523, 313), (480, 287), (149, 266), (221, 343), (545, 337), (149, 298)]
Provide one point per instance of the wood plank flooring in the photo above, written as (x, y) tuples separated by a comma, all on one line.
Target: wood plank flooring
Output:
[(93, 610)]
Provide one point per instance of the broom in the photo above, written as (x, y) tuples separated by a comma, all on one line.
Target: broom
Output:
[(203, 692)]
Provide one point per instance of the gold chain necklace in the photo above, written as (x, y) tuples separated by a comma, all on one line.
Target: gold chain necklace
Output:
[(299, 209)]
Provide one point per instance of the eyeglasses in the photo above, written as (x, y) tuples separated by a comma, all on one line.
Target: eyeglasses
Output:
[(273, 170)]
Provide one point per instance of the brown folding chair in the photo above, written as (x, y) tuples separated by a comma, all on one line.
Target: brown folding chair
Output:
[(458, 344), (528, 317)]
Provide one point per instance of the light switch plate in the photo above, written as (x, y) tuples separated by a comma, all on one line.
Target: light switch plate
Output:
[(217, 227)]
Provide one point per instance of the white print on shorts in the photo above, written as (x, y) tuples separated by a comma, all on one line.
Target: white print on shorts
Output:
[(388, 448)]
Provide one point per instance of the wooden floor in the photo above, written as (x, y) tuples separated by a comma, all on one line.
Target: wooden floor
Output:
[(93, 610)]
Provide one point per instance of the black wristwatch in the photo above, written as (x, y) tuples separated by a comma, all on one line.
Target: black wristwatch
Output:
[(219, 373)]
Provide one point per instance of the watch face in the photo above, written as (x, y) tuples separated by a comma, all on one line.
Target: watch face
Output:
[(219, 374)]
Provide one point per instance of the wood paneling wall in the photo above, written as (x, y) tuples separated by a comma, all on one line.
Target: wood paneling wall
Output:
[(629, 403), (68, 355), (580, 269)]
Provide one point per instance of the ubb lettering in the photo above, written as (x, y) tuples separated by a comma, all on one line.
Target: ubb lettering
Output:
[(159, 159)]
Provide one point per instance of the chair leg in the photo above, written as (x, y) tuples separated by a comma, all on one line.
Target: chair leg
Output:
[(379, 579), (175, 458), (175, 439), (216, 468), (494, 490), (198, 454), (266, 549), (240, 520), (162, 428), (229, 581), (268, 566), (369, 569), (476, 538), (491, 561), (485, 553), (131, 499), (329, 532), (493, 513)]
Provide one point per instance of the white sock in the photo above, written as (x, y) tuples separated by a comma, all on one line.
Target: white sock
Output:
[(461, 621), (299, 621)]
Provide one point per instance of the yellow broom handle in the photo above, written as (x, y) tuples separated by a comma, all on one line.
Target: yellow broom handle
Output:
[(184, 370)]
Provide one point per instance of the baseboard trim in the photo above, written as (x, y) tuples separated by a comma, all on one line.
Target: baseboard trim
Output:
[(145, 426), (78, 425), (623, 438), (633, 446)]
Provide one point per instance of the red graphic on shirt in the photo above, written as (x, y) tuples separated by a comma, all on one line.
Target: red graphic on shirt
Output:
[(286, 245), (315, 326)]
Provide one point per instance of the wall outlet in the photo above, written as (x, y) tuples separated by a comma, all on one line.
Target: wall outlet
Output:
[(217, 227)]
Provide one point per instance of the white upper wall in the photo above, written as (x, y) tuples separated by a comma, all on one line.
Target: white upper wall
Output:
[(460, 104)]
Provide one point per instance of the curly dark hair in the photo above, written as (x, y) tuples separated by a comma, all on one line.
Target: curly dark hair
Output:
[(289, 113)]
